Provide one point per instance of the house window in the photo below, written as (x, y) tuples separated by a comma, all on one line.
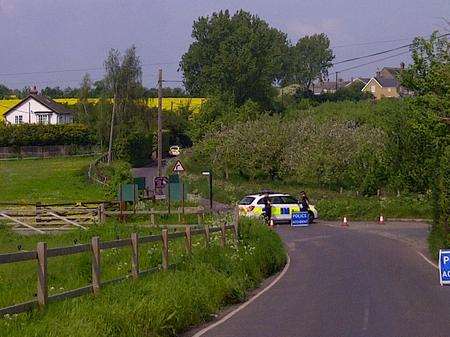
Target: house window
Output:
[(372, 88), (18, 119), (389, 89), (43, 119)]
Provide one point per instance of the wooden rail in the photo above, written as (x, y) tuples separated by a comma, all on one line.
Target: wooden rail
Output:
[(43, 253)]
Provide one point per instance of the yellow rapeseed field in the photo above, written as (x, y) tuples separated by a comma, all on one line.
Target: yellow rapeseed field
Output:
[(168, 103)]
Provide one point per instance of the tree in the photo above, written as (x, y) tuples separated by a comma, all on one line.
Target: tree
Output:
[(123, 81), (309, 59), (239, 55), (429, 72), (4, 91)]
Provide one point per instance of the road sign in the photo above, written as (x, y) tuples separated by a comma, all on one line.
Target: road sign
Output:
[(160, 182), (140, 182), (128, 192), (444, 266), (178, 167), (300, 219)]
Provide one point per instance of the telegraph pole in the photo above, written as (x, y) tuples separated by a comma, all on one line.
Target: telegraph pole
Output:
[(336, 81), (160, 80)]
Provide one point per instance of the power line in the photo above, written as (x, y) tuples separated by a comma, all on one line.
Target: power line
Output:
[(78, 69), (371, 62), (369, 43), (381, 52)]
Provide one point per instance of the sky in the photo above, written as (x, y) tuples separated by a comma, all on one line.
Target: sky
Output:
[(51, 35)]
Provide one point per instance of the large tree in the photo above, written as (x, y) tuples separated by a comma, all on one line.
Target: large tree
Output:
[(238, 55), (307, 60)]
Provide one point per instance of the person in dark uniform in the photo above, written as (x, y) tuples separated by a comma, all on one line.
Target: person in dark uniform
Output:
[(267, 210), (304, 202)]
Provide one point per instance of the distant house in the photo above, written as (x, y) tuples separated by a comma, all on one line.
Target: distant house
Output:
[(323, 87), (38, 109), (387, 83), (381, 87), (358, 81)]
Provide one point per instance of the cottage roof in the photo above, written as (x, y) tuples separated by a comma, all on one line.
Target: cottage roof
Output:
[(49, 103), (387, 82)]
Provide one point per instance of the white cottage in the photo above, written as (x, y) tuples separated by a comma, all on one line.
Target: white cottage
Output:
[(38, 109)]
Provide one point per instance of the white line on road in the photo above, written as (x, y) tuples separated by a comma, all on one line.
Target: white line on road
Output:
[(235, 311), (428, 260)]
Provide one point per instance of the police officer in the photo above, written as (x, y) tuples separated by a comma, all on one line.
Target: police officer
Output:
[(304, 202), (267, 209)]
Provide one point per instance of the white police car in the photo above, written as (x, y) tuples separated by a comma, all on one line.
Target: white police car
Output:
[(282, 206)]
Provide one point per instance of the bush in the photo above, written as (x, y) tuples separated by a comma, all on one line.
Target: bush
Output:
[(135, 148), (440, 235), (117, 173), (44, 134)]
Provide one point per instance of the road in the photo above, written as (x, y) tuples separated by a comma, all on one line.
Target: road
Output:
[(362, 281)]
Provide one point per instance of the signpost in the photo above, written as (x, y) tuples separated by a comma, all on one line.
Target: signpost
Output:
[(444, 266), (300, 219), (178, 167)]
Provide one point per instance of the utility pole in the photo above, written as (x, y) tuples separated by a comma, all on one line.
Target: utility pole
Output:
[(111, 130), (160, 80), (336, 81)]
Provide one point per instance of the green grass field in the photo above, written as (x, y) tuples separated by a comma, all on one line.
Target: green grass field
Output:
[(160, 304), (47, 180)]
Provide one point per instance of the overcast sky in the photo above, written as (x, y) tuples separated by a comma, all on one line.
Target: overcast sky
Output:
[(46, 35)]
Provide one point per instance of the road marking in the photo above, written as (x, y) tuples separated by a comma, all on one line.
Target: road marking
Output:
[(428, 260), (235, 311)]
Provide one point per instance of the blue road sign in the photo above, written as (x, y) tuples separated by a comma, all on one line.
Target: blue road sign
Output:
[(444, 266), (300, 219)]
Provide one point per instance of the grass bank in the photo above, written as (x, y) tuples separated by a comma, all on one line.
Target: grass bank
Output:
[(47, 180), (331, 205), (165, 303)]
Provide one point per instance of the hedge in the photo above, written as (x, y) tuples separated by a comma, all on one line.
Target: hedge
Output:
[(41, 134)]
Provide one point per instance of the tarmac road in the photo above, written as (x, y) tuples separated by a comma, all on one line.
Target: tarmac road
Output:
[(349, 282)]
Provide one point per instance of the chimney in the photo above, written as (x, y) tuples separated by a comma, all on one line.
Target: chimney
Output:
[(34, 90), (402, 65)]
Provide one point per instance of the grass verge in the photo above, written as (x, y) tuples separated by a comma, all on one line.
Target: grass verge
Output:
[(47, 180), (165, 303)]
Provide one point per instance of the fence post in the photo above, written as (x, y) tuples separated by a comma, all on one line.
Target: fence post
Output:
[(188, 239), (38, 212), (223, 237), (42, 288), (206, 235), (152, 217), (165, 249), (96, 281), (236, 225), (179, 215), (134, 255), (101, 213), (199, 219)]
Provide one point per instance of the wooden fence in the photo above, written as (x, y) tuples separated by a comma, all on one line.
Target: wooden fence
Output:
[(43, 253), (41, 218)]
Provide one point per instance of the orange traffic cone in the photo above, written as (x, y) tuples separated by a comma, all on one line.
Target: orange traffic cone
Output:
[(344, 222), (381, 220)]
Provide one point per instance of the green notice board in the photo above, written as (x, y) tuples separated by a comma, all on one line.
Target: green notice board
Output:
[(140, 182), (176, 188), (128, 192)]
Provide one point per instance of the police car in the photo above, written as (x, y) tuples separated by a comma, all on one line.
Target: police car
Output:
[(282, 206)]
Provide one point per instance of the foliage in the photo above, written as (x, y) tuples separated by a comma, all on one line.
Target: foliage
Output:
[(117, 173), (134, 147), (440, 235), (350, 93), (164, 303), (239, 56), (45, 134), (47, 180), (309, 59)]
